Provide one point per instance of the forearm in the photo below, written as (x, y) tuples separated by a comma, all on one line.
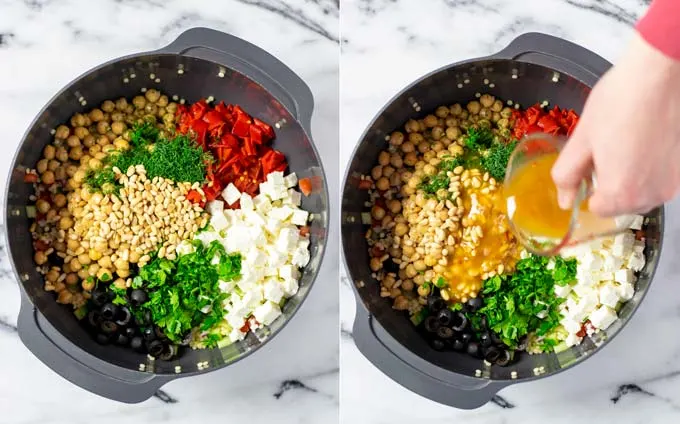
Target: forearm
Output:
[(660, 27)]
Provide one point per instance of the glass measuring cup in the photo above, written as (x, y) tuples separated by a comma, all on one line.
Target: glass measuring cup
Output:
[(531, 201)]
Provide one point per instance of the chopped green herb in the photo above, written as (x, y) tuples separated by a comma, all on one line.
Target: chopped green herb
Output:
[(456, 307), (432, 184), (495, 160), (441, 282), (419, 316), (478, 138)]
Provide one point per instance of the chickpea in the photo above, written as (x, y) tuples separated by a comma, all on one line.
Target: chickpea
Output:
[(437, 133), (152, 95), (474, 107), (59, 200), (65, 223), (80, 133), (384, 158), (71, 279), (487, 100), (416, 138), (497, 106), (94, 254), (162, 101), (102, 127), (79, 176), (388, 281), (106, 149), (47, 177), (123, 273), (411, 126), (84, 259), (503, 123), (62, 154), (383, 184), (49, 152), (396, 138), (62, 132), (442, 111), (375, 264), (151, 109), (88, 284), (456, 109), (117, 117), (429, 169), (423, 290), (40, 257), (453, 133), (410, 159), (168, 119), (89, 141), (451, 122), (42, 206), (65, 297), (377, 212), (105, 262), (430, 121), (396, 160), (120, 284), (118, 127), (400, 229), (506, 112), (75, 265), (410, 271), (407, 285), (376, 172), (134, 257), (83, 274), (121, 104), (172, 107), (108, 106), (161, 112), (423, 147), (394, 206), (485, 114), (400, 303), (464, 115), (95, 163), (121, 144), (419, 265), (41, 166), (139, 102), (104, 274), (407, 147), (437, 147), (75, 153)]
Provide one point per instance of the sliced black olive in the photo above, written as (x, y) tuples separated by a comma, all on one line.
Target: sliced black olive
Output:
[(100, 297), (475, 303), (149, 334), (466, 337), (168, 353), (138, 297), (155, 348), (159, 332), (473, 349), (459, 321), (485, 339), (108, 327), (109, 311), (94, 318), (484, 323), (458, 345), (102, 338), (431, 324), (492, 354), (445, 332), (143, 319), (130, 332), (122, 340), (445, 316), (124, 316), (55, 260), (496, 339), (504, 358), (435, 304), (438, 344), (137, 343)]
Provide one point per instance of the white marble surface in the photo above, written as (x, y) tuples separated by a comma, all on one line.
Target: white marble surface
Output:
[(46, 43), (386, 45)]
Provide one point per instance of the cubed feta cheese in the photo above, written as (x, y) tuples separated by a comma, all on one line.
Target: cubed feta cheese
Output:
[(562, 291), (215, 206), (219, 221), (626, 291), (287, 240), (275, 259), (227, 286), (585, 277), (624, 276), (303, 243), (273, 290), (636, 261), (294, 197), (300, 257), (290, 287), (290, 180), (266, 189), (267, 312), (603, 276), (289, 271), (299, 217), (253, 218), (584, 307), (612, 263), (236, 316), (262, 203), (278, 192), (623, 244), (603, 317), (273, 226), (246, 202), (590, 261), (253, 297), (583, 290), (570, 325), (258, 236), (609, 295), (639, 246), (637, 222), (276, 178), (236, 335), (573, 340), (237, 239), (255, 258), (231, 194), (281, 213)]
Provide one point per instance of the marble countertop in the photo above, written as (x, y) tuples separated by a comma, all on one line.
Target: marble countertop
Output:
[(389, 43), (44, 44)]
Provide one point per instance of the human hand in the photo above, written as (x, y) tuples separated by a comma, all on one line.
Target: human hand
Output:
[(628, 135)]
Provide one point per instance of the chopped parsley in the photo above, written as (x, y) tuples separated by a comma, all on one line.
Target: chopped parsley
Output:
[(495, 160), (511, 302), (478, 138)]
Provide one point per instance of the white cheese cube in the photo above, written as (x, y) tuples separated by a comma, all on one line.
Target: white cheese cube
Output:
[(583, 290), (255, 258), (289, 271), (214, 207), (237, 239), (609, 295), (271, 271), (624, 276), (623, 244), (219, 221), (226, 286), (636, 261), (290, 287), (236, 335), (299, 217), (294, 197), (278, 193), (262, 203), (626, 291), (281, 213), (586, 278), (290, 180), (266, 189), (591, 262), (234, 321), (258, 237), (562, 291), (253, 218), (231, 194), (276, 178), (273, 226), (612, 263), (253, 297), (247, 281), (584, 307), (246, 202), (207, 237), (287, 240), (603, 317), (570, 325), (638, 220), (639, 246), (571, 302), (275, 259), (273, 290), (267, 312), (300, 257), (603, 276), (303, 243), (573, 340)]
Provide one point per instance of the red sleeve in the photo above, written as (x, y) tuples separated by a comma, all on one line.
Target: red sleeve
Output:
[(660, 27)]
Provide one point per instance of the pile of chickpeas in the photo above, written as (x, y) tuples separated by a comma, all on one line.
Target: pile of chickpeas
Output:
[(77, 148), (413, 234)]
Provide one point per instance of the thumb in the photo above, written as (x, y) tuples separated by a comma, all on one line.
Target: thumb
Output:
[(573, 165)]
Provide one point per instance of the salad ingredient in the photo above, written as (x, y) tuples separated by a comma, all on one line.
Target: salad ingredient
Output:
[(555, 121)]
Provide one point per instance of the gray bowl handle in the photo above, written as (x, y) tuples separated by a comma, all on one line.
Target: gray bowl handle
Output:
[(44, 341), (375, 343), (557, 53), (252, 61)]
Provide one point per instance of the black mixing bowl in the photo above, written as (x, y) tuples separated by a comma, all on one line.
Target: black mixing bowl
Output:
[(199, 64), (532, 69)]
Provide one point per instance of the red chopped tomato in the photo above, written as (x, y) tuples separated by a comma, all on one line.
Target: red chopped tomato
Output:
[(194, 196), (306, 186), (535, 119), (30, 178)]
